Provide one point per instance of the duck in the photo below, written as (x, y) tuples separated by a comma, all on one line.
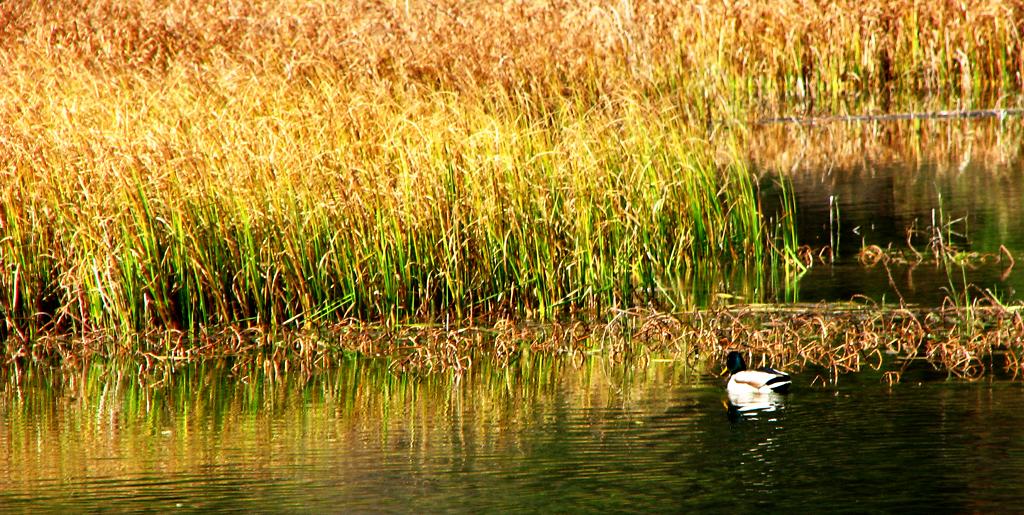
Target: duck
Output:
[(762, 380)]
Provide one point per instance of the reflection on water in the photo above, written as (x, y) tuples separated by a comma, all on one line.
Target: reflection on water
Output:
[(753, 404), (885, 179), (539, 436)]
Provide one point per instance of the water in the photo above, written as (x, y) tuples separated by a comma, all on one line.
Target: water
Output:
[(540, 436), (868, 184)]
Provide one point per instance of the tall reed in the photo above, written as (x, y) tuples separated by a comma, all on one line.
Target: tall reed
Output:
[(724, 56), (176, 209), (281, 161)]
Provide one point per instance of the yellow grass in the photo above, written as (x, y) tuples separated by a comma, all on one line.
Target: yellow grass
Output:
[(178, 163)]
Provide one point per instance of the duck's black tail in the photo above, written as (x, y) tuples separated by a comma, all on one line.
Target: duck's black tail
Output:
[(780, 383)]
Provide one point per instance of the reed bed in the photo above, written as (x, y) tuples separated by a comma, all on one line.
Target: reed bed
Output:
[(722, 50), (967, 340), (179, 198), (134, 219), (181, 166)]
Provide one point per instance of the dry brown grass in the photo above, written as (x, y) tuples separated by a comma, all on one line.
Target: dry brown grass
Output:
[(454, 43), (801, 49), (965, 341)]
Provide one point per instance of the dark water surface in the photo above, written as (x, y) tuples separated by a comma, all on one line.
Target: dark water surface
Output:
[(870, 183), (542, 436)]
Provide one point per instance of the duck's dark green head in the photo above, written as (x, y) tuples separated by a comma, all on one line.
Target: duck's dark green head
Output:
[(734, 362)]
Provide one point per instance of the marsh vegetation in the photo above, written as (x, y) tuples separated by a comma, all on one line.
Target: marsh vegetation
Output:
[(182, 180), (283, 255)]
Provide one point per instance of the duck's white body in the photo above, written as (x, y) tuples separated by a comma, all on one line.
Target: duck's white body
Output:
[(766, 380)]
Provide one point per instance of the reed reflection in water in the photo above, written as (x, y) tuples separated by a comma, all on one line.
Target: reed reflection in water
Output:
[(538, 435)]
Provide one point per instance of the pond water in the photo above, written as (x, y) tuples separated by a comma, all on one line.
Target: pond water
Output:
[(539, 436), (869, 183)]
